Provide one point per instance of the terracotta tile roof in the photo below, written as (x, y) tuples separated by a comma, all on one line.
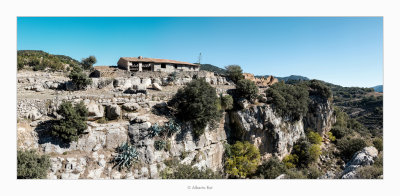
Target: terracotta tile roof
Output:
[(153, 60)]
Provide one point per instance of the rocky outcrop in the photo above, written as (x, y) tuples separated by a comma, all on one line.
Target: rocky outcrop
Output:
[(361, 158), (95, 111), (262, 127), (320, 115), (113, 111), (261, 81)]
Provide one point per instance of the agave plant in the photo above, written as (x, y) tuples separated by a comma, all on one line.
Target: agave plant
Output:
[(126, 155), (171, 127), (155, 130)]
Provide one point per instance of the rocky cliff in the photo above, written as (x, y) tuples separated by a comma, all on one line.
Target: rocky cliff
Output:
[(271, 134)]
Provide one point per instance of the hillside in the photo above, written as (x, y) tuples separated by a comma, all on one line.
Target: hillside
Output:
[(40, 60), (212, 68)]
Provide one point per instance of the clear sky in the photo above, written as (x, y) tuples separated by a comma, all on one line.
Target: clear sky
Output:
[(346, 51)]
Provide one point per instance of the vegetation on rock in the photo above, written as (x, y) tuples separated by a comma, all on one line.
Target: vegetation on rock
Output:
[(176, 170), (243, 160), (126, 155), (234, 73), (289, 101), (73, 122), (79, 78), (246, 89), (197, 103), (30, 165)]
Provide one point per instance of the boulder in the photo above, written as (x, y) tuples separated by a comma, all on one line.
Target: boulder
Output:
[(95, 111), (38, 88), (361, 158), (146, 82), (34, 114), (131, 107), (157, 87), (113, 111)]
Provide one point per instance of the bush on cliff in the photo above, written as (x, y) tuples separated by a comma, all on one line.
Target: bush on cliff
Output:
[(243, 160), (317, 88), (349, 146), (246, 89), (235, 73), (73, 123), (226, 102), (197, 103), (182, 171), (289, 101), (30, 165), (271, 168)]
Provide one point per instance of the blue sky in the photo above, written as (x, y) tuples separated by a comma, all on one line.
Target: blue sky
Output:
[(346, 51)]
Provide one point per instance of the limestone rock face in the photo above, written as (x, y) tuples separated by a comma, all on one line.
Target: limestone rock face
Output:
[(320, 116), (260, 126), (113, 111), (361, 158)]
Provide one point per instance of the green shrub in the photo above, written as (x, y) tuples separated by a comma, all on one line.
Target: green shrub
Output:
[(378, 144), (79, 78), (331, 137), (30, 165), (317, 88), (369, 172), (160, 144), (272, 168), (340, 132), (246, 89), (306, 152), (314, 172), (126, 155), (289, 101), (349, 146), (87, 63), (315, 152), (73, 122), (295, 174), (234, 72), (290, 161), (243, 161), (182, 171), (196, 103), (314, 137), (226, 102)]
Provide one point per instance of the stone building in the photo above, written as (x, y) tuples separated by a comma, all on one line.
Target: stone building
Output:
[(141, 64)]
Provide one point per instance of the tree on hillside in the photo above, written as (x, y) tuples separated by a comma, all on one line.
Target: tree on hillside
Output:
[(235, 72), (246, 89), (88, 63), (73, 123), (197, 103), (79, 78)]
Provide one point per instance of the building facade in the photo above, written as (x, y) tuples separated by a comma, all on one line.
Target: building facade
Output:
[(141, 64)]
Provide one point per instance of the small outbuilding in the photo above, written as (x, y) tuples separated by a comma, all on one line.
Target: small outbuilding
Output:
[(141, 64)]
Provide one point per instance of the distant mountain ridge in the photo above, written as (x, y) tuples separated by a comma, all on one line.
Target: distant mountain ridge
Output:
[(378, 88), (212, 68)]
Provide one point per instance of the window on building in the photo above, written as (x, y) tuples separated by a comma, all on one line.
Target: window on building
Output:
[(176, 66), (163, 65)]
